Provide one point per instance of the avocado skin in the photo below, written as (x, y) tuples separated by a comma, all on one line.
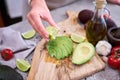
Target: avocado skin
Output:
[(83, 16), (7, 73)]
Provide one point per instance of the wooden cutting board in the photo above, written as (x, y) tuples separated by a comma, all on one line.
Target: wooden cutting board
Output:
[(45, 68)]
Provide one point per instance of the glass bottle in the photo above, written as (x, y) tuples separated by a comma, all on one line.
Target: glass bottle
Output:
[(96, 28)]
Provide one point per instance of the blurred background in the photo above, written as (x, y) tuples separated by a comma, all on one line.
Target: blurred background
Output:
[(10, 12)]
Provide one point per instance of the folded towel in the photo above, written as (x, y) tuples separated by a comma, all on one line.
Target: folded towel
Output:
[(13, 40)]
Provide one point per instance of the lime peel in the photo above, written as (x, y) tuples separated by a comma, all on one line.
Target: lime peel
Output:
[(22, 64), (77, 38), (52, 31), (29, 34)]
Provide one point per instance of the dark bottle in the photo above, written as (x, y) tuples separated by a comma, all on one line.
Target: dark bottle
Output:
[(96, 28)]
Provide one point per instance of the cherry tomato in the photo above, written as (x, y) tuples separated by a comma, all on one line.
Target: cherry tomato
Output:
[(6, 54), (114, 61), (115, 50)]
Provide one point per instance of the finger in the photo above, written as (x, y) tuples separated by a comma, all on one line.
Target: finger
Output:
[(37, 24), (32, 22), (51, 21), (35, 27), (40, 26)]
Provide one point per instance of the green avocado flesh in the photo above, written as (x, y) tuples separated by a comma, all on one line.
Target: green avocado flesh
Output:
[(83, 53), (60, 47)]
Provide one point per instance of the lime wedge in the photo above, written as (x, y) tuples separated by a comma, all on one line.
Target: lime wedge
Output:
[(28, 34), (52, 31), (77, 38), (22, 64)]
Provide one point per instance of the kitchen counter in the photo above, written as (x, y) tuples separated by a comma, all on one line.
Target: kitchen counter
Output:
[(60, 15)]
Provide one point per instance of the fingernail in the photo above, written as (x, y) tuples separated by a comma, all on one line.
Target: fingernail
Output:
[(46, 38)]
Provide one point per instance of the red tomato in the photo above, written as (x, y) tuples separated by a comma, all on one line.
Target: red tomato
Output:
[(119, 66), (114, 61), (7, 54), (119, 69), (115, 50)]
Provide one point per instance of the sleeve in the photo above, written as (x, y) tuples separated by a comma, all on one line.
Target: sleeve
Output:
[(29, 2)]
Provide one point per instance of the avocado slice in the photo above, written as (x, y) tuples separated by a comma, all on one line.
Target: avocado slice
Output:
[(67, 45), (58, 54), (83, 53), (60, 47), (52, 51), (64, 51)]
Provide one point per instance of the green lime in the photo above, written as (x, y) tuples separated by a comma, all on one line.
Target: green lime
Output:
[(22, 64), (52, 31), (28, 34), (77, 38)]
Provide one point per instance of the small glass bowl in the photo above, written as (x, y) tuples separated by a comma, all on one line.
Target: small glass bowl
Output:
[(115, 41)]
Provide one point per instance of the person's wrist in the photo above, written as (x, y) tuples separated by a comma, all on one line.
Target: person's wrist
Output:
[(36, 2), (114, 1)]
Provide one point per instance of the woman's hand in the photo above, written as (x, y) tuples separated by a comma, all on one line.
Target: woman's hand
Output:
[(39, 11), (114, 1)]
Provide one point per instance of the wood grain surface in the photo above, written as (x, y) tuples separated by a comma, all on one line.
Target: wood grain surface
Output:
[(45, 68)]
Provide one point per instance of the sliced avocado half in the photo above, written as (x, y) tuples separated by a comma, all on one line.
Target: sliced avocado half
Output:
[(83, 53), (60, 47), (67, 44)]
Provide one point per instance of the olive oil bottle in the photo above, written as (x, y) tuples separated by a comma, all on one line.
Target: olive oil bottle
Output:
[(96, 28)]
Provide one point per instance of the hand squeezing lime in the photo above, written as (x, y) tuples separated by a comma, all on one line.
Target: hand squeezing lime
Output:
[(52, 31)]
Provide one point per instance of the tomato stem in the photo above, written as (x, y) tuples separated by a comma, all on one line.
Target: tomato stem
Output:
[(118, 51), (116, 54)]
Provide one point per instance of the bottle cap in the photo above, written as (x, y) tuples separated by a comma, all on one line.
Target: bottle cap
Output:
[(100, 3)]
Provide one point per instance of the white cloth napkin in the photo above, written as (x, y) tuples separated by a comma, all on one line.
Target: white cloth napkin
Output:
[(13, 40)]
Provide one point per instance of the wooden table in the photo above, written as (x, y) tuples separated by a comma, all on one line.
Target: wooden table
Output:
[(60, 15)]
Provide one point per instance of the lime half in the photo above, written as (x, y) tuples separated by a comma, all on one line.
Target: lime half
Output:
[(22, 64), (52, 31), (77, 38), (28, 34)]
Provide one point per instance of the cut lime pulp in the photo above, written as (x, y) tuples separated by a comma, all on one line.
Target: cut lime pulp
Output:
[(22, 64), (28, 34), (52, 31), (77, 38)]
